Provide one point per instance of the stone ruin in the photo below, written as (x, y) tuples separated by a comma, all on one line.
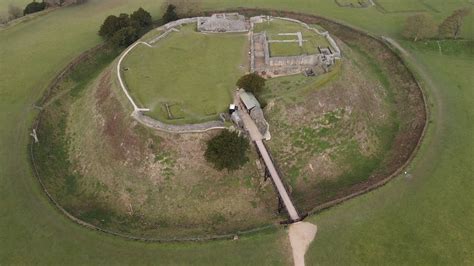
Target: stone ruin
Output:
[(223, 22), (266, 65)]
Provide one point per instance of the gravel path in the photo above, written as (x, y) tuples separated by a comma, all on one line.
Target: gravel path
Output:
[(301, 234)]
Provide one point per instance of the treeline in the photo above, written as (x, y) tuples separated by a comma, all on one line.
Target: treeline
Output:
[(15, 12), (124, 29), (423, 26)]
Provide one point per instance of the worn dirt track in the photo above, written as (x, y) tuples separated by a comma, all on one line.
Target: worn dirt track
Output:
[(301, 234)]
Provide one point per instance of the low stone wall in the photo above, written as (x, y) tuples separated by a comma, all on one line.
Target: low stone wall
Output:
[(180, 22), (297, 60), (188, 128)]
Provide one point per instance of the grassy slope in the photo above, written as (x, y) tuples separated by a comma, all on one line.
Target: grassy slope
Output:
[(32, 231), (195, 71), (425, 219)]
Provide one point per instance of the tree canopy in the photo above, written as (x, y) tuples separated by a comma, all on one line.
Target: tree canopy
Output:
[(142, 17), (183, 8), (419, 27), (125, 29), (252, 83), (227, 150), (452, 25), (170, 14)]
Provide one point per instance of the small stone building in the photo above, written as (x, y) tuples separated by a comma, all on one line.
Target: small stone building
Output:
[(252, 106), (249, 101)]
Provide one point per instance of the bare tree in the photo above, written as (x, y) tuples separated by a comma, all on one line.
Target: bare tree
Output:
[(419, 27), (451, 26), (14, 12)]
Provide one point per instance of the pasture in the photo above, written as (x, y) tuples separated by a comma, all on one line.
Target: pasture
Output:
[(193, 73), (433, 208)]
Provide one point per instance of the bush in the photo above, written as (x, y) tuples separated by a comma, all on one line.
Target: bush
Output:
[(252, 83), (34, 7), (227, 151)]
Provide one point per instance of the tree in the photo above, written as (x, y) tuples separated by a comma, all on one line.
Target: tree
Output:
[(227, 151), (183, 8), (252, 83), (125, 36), (142, 17), (419, 27), (34, 7), (14, 12), (170, 14), (109, 27), (451, 26)]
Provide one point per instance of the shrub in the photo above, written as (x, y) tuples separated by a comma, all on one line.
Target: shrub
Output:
[(34, 7), (252, 83), (227, 151)]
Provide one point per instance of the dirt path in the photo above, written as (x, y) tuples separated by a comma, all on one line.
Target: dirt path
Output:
[(301, 234)]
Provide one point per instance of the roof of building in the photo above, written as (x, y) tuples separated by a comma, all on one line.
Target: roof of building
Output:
[(249, 100)]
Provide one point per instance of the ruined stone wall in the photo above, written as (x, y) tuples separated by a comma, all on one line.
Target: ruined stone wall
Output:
[(298, 60), (180, 22)]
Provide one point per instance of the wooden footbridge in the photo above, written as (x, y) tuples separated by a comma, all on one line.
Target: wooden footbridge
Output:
[(257, 137)]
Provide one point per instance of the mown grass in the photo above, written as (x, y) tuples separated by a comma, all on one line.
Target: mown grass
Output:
[(427, 209), (194, 73), (424, 220)]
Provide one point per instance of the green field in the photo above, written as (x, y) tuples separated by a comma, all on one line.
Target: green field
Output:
[(193, 73), (431, 206), (276, 26), (423, 220)]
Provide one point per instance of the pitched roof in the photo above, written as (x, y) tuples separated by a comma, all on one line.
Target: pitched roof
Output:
[(249, 100)]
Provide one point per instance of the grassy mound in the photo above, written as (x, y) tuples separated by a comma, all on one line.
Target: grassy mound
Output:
[(106, 169), (193, 73), (349, 133)]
